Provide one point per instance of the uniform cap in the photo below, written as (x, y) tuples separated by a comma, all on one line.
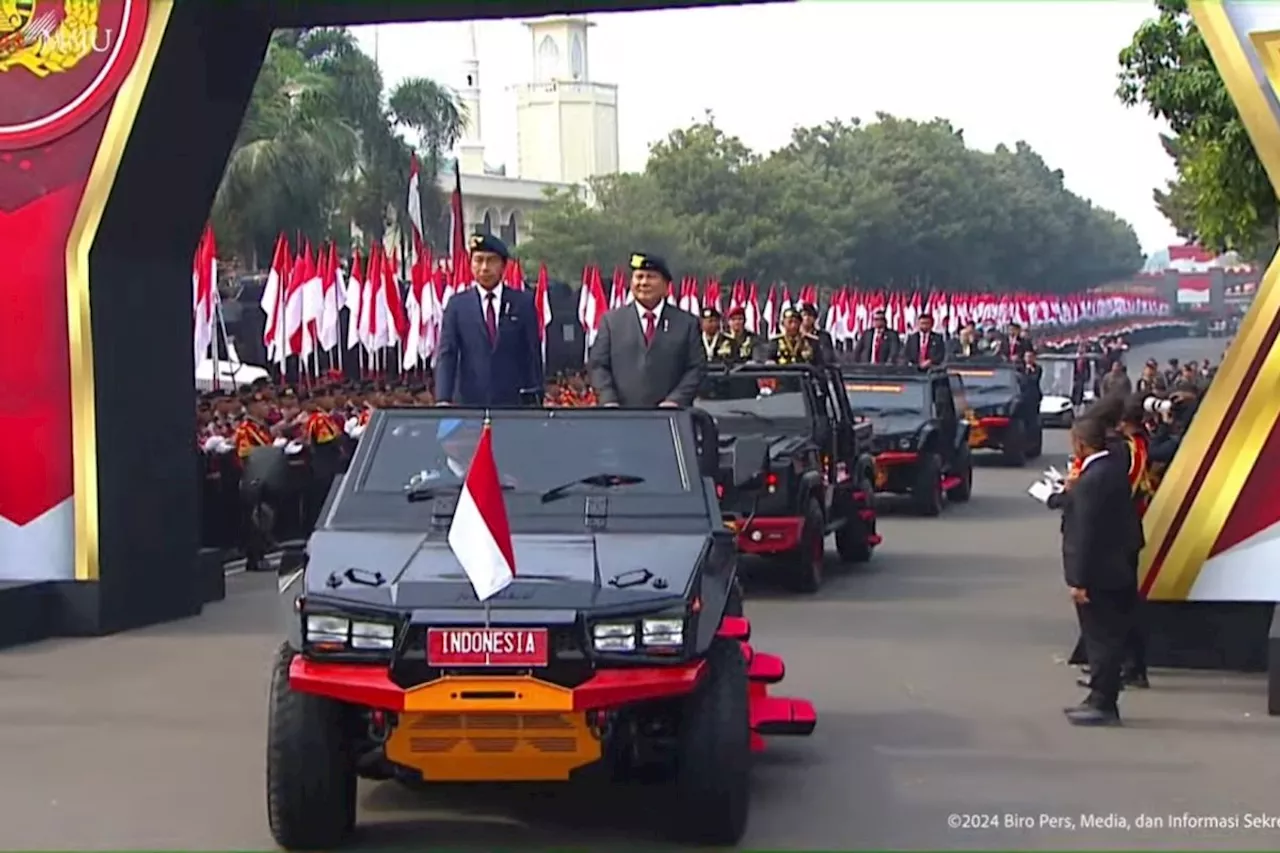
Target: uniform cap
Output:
[(710, 313), (738, 311), (488, 243), (653, 263)]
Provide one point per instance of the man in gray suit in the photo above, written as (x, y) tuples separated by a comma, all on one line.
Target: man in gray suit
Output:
[(648, 353)]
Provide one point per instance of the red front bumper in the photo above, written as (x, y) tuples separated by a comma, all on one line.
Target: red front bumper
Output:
[(764, 536), (370, 686)]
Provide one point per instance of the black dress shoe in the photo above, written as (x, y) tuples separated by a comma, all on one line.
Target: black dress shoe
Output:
[(1137, 679), (1084, 682), (1090, 716)]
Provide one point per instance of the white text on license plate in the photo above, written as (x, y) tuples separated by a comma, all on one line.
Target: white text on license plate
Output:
[(487, 647)]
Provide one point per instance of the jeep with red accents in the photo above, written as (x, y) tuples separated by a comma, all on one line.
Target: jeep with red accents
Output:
[(795, 467)]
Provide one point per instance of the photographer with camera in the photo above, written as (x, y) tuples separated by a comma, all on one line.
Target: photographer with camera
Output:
[(1167, 419)]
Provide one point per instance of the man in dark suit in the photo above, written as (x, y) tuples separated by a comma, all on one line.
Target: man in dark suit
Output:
[(490, 353), (1101, 540), (879, 344), (964, 345), (648, 353), (1015, 344), (924, 347)]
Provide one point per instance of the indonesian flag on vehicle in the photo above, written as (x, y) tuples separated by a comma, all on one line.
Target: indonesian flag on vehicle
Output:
[(479, 535)]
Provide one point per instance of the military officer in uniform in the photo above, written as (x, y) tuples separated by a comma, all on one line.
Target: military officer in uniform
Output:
[(713, 340), (809, 326), (791, 346), (738, 343)]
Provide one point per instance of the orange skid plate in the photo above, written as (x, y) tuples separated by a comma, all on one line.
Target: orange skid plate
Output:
[(493, 747)]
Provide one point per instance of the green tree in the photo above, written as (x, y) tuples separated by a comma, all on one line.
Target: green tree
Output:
[(892, 203), (321, 149), (1222, 196)]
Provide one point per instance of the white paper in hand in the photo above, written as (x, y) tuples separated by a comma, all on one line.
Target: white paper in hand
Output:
[(1040, 490)]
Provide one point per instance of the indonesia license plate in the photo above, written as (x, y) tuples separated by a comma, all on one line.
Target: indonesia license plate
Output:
[(524, 647)]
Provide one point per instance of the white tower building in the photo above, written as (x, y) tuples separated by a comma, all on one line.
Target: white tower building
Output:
[(471, 145), (567, 126)]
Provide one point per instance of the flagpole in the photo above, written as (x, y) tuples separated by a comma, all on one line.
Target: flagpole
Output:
[(486, 425)]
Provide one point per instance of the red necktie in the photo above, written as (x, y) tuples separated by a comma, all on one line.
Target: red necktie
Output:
[(924, 348), (490, 318), (650, 326), (875, 349)]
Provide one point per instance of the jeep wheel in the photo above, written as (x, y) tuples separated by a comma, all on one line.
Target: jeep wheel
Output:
[(311, 780), (926, 492), (963, 470), (806, 574), (851, 540), (1015, 445), (712, 785)]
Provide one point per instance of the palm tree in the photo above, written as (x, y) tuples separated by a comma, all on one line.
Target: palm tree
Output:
[(284, 167), (433, 114)]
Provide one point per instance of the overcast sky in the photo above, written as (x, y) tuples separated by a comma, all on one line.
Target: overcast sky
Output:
[(1040, 71)]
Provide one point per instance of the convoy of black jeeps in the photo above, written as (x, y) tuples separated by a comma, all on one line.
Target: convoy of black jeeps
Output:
[(806, 451)]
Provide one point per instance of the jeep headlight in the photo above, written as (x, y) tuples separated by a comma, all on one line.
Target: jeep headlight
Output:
[(614, 637), (337, 633), (663, 633), (906, 443)]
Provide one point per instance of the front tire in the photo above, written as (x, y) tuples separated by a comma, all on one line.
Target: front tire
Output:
[(311, 779), (712, 785), (811, 554), (926, 492), (852, 539), (1015, 445), (964, 470)]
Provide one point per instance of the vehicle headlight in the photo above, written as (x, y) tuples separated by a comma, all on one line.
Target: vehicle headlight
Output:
[(906, 443), (614, 637), (338, 633), (663, 633)]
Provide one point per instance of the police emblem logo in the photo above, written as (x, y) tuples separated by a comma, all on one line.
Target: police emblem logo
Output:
[(47, 39), (637, 262), (61, 61)]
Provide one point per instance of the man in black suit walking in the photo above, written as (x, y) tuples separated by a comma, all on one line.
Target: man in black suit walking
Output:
[(648, 353), (879, 344), (1101, 540), (924, 347)]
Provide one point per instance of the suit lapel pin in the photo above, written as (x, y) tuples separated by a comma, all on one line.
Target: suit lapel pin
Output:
[(664, 324)]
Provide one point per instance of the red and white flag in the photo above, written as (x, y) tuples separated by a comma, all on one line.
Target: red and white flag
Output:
[(479, 535)]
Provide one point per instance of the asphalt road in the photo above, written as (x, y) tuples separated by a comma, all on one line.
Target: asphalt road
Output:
[(936, 671)]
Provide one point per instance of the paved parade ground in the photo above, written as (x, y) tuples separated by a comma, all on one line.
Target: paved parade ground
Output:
[(936, 671)]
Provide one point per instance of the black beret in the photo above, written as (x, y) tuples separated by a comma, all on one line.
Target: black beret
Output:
[(488, 243), (737, 311), (710, 313), (653, 263)]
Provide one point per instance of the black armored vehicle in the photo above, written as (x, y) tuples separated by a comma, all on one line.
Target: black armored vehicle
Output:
[(610, 651), (1005, 409), (818, 475), (921, 437)]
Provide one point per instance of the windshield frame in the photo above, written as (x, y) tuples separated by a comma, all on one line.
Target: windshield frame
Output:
[(805, 392), (355, 508), (923, 397), (1008, 380)]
